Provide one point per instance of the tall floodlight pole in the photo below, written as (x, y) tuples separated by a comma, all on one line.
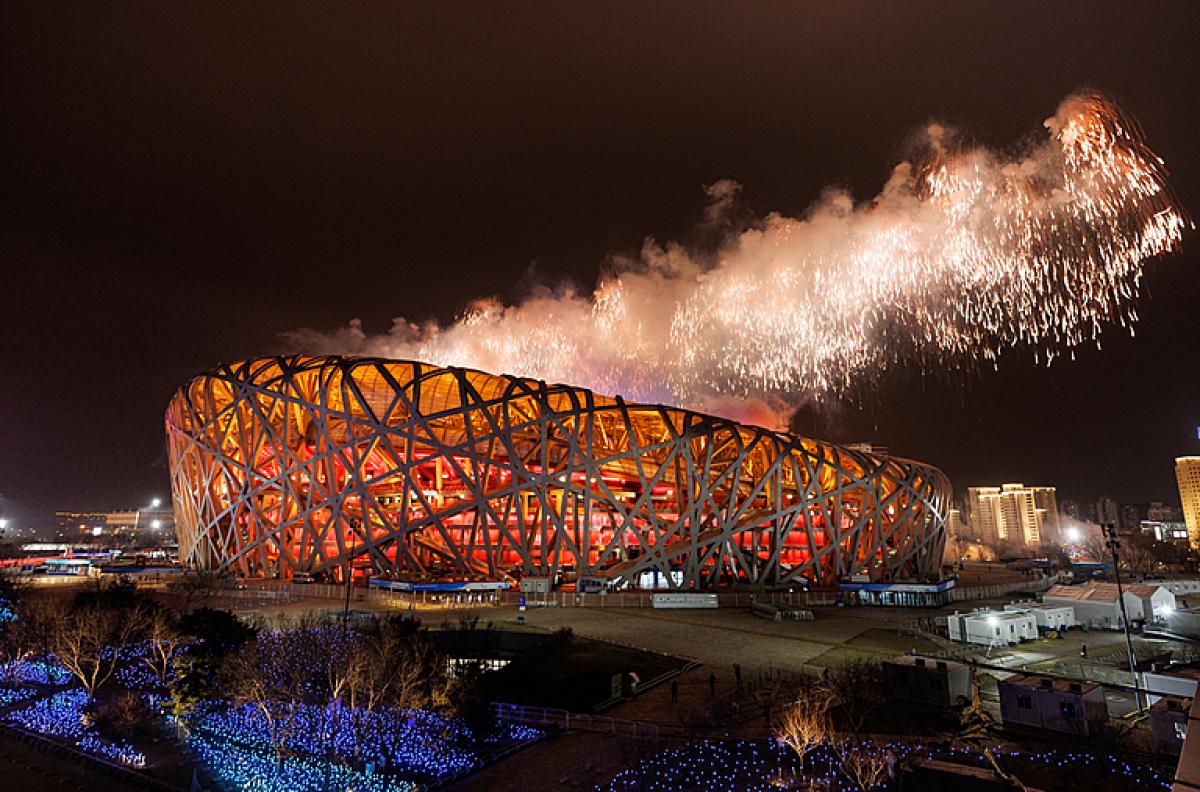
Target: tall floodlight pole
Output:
[(1114, 545)]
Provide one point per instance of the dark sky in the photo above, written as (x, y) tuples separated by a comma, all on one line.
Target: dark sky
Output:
[(181, 182)]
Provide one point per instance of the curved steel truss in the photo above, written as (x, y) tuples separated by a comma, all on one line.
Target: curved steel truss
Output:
[(282, 465)]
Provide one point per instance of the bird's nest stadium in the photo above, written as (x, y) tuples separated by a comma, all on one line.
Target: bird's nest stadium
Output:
[(337, 465)]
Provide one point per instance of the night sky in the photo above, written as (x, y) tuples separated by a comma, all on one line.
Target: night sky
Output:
[(183, 182)]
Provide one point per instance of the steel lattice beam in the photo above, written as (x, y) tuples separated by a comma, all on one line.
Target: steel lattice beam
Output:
[(282, 465)]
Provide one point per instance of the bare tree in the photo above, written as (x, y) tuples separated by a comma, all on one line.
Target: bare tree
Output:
[(974, 731), (806, 723), (24, 637), (198, 587), (164, 641), (866, 765), (87, 641), (274, 674), (856, 687), (1138, 554)]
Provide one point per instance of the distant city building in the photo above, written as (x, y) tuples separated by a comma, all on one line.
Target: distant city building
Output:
[(1045, 501), (1187, 473), (1073, 509), (151, 525), (1164, 531), (1014, 514), (74, 523), (958, 535), (1106, 511), (1131, 516), (1164, 512)]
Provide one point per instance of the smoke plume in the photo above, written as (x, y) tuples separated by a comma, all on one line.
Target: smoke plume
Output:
[(964, 253)]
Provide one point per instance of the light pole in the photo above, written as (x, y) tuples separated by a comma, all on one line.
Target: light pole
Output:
[(1113, 543)]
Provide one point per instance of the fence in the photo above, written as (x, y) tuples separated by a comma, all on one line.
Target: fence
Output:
[(291, 592), (997, 590), (566, 720)]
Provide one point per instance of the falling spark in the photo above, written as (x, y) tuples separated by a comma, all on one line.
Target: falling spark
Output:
[(963, 255)]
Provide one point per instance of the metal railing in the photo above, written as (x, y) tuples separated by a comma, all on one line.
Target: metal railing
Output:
[(577, 721)]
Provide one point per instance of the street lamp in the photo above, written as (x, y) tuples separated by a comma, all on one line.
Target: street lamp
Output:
[(154, 504), (1113, 543)]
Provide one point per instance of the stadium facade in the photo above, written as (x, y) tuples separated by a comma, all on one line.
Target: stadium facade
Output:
[(409, 470)]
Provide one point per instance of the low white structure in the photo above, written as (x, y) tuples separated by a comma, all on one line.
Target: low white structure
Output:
[(1096, 603), (1048, 617), (1186, 592), (681, 599), (992, 628)]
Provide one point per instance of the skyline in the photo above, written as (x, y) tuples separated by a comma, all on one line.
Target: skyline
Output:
[(228, 177)]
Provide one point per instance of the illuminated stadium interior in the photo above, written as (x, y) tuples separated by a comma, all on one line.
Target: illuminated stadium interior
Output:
[(414, 471)]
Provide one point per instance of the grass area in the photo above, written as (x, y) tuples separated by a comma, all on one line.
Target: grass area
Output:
[(877, 643)]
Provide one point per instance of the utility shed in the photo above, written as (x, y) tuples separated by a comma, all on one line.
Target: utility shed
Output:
[(1061, 705), (1168, 724), (937, 683)]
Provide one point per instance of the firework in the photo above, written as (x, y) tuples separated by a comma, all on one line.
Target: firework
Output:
[(964, 254)]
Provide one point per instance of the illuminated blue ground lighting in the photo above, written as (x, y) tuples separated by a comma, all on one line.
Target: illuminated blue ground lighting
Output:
[(11, 695), (35, 672), (760, 766), (61, 716), (412, 747)]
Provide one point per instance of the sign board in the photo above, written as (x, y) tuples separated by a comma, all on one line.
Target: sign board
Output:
[(684, 600), (535, 585)]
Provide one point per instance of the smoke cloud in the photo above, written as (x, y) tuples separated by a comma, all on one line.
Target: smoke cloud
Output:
[(964, 253)]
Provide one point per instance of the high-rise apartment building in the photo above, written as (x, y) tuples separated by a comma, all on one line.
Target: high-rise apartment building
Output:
[(1187, 473), (1014, 514), (983, 512), (1045, 500)]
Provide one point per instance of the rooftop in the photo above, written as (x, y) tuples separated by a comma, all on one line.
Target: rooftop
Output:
[(927, 662), (1098, 592), (1057, 684)]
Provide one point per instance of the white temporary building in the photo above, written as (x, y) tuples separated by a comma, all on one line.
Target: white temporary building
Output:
[(1096, 604), (992, 627), (1048, 617)]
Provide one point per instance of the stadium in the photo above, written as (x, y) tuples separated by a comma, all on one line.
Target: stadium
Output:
[(329, 466)]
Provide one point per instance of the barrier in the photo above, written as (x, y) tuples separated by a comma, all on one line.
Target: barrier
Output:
[(567, 721)]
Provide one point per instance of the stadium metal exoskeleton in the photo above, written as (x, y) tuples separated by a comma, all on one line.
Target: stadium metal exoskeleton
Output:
[(327, 464)]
